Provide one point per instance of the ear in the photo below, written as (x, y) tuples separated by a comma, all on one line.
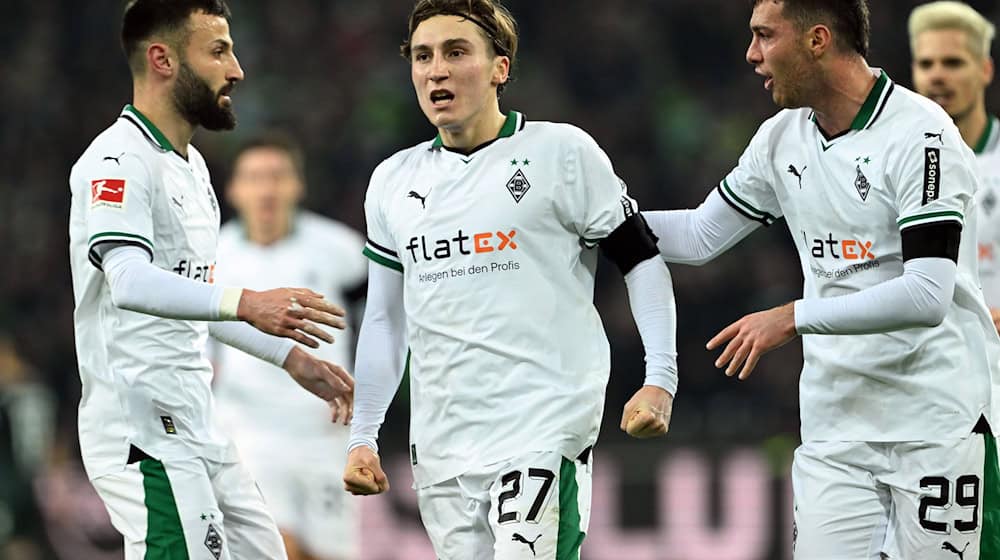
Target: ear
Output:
[(988, 71), (819, 40), (160, 60), (501, 70), (300, 194)]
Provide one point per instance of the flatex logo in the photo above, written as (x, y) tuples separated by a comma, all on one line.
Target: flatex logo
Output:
[(847, 249), (204, 272), (422, 248)]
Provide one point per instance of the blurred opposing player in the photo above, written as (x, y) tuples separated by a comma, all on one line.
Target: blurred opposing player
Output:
[(877, 187), (284, 434), (483, 252), (950, 43), (144, 224)]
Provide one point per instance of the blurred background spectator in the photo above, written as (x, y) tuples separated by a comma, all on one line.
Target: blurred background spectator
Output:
[(661, 84)]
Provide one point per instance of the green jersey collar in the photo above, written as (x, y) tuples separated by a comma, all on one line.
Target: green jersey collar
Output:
[(988, 132), (873, 105), (149, 129), (513, 124)]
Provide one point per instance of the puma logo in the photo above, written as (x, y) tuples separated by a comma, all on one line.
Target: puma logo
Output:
[(114, 159), (951, 548), (421, 198), (793, 171), (938, 135), (531, 544)]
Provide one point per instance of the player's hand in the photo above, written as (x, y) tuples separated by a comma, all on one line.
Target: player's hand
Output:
[(363, 475), (291, 313), (995, 315), (327, 381), (647, 413), (753, 336)]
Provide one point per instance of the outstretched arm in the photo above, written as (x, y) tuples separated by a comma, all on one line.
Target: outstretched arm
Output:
[(698, 236), (138, 285)]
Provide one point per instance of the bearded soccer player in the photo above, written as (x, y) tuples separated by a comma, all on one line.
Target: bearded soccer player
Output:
[(144, 222), (877, 187), (950, 42), (483, 246), (284, 435)]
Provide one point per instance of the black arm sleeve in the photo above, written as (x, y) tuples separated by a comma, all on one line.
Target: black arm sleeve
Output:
[(631, 243), (937, 240)]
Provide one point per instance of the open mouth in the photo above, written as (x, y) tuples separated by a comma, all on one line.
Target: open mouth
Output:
[(940, 97), (441, 96), (224, 94)]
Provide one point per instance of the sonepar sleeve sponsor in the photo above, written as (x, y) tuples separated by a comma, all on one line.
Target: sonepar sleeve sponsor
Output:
[(934, 177), (932, 174)]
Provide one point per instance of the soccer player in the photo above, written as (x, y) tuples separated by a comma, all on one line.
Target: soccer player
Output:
[(284, 435), (876, 187), (144, 223), (950, 43), (483, 250)]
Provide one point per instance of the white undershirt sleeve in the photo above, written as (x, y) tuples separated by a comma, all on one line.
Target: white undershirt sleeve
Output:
[(651, 297), (136, 284), (698, 236), (918, 298), (381, 355), (242, 336)]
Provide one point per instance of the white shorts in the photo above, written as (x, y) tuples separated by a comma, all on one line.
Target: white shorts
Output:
[(905, 501), (308, 501), (533, 507), (189, 508)]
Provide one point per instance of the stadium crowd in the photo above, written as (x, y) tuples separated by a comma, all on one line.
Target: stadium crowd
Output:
[(661, 84)]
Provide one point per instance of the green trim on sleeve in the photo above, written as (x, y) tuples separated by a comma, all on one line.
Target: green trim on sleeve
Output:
[(931, 216), (749, 207), (118, 234), (398, 267)]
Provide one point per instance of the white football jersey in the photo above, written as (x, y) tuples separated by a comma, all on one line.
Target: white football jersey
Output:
[(988, 199), (846, 200), (497, 251), (145, 379), (259, 400)]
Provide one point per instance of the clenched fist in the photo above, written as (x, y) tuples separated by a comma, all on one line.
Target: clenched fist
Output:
[(363, 475), (647, 413)]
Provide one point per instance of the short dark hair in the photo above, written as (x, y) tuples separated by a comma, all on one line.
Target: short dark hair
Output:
[(144, 19), (848, 19), (275, 140), (492, 18)]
